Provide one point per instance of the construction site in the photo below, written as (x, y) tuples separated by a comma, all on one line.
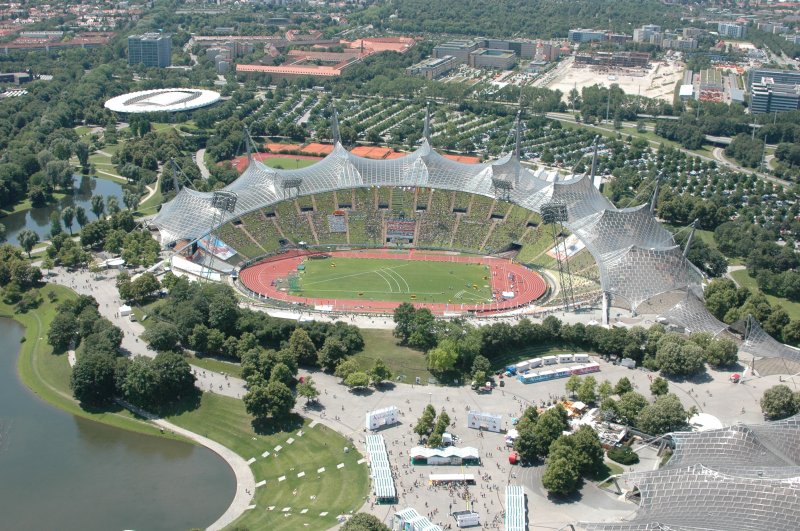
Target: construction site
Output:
[(654, 80)]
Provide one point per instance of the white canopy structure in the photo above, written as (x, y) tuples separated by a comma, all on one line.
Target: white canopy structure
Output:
[(410, 520), (445, 456), (162, 100), (382, 481)]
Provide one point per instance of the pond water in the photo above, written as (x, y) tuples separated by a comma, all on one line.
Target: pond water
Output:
[(38, 219), (59, 471)]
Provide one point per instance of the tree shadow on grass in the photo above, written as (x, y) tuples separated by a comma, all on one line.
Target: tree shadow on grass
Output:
[(186, 403), (271, 426)]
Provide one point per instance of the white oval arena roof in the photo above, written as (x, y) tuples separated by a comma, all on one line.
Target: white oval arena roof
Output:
[(160, 100)]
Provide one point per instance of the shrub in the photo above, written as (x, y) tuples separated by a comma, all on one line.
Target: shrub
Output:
[(623, 455)]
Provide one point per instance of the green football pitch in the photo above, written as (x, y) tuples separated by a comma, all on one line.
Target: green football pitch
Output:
[(394, 280)]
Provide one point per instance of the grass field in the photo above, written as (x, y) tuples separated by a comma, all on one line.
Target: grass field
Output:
[(288, 163), (404, 362), (226, 421), (394, 280), (743, 279)]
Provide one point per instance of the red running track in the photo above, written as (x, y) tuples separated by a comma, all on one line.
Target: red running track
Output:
[(528, 285)]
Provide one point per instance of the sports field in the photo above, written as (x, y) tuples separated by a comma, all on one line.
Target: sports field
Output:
[(392, 280)]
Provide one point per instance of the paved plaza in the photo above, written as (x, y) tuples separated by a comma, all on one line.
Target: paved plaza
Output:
[(345, 412)]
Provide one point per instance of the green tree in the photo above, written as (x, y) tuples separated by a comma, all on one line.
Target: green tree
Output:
[(623, 386), (404, 321), (778, 402), (131, 200), (173, 376), (659, 386), (443, 358), (98, 206), (82, 152), (162, 336), (380, 372), (274, 400), (572, 384), (302, 348), (560, 477), (68, 216), (92, 379), (364, 522), (55, 224), (549, 427), (2, 233), (80, 216), (62, 331), (721, 352), (307, 389), (27, 240), (629, 406), (424, 425), (281, 373), (587, 391), (666, 414), (141, 382), (588, 448), (346, 367), (605, 389), (357, 379), (332, 352)]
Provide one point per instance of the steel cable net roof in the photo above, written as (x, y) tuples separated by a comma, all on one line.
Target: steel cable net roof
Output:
[(742, 477), (758, 343), (691, 313), (637, 258)]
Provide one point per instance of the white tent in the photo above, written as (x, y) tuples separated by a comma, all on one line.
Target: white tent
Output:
[(125, 310), (382, 417), (490, 421)]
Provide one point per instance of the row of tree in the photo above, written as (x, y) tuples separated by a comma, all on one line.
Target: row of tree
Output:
[(457, 348)]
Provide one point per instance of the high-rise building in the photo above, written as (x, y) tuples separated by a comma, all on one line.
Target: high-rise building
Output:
[(733, 30), (150, 49), (767, 96)]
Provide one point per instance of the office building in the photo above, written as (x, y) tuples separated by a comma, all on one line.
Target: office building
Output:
[(486, 58), (783, 77), (646, 33), (732, 30), (150, 49), (458, 49), (586, 35), (433, 67), (768, 96)]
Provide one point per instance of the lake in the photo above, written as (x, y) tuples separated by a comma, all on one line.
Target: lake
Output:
[(38, 219), (59, 471)]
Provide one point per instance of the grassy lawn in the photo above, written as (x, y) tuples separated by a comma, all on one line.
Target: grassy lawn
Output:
[(288, 163), (149, 206), (225, 420), (47, 374), (743, 279), (402, 361), (394, 280)]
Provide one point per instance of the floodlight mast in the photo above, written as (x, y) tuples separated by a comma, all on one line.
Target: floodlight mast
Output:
[(555, 214)]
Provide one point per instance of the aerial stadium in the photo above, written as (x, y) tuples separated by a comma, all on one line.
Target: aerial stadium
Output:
[(499, 210), (327, 235), (162, 100)]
